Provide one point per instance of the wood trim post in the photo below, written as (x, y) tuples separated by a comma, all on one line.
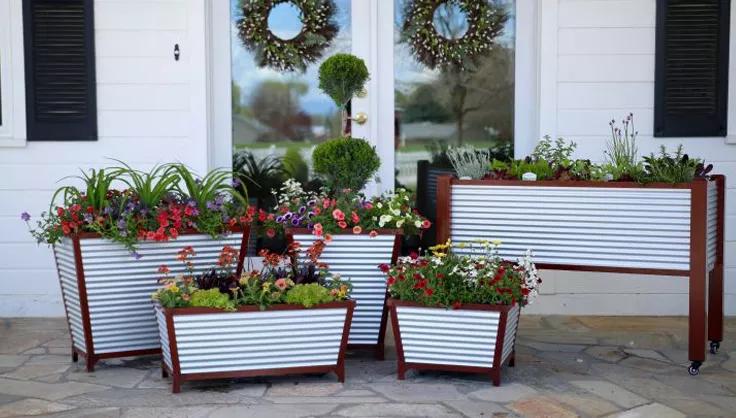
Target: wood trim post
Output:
[(243, 250), (400, 361), (381, 346), (84, 305), (175, 368), (75, 355), (444, 192), (503, 318), (698, 323), (715, 285), (340, 369)]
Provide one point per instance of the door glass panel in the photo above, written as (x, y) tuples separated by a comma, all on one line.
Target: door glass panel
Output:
[(279, 116), (437, 108)]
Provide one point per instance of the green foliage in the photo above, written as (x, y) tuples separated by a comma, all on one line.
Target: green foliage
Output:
[(557, 153), (208, 188), (675, 168), (308, 295), (341, 76), (541, 168), (469, 161), (258, 177), (212, 298), (152, 187), (345, 163), (295, 166), (97, 185)]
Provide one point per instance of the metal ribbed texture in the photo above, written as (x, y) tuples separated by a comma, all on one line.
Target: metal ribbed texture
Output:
[(509, 338), (119, 287), (356, 257), (588, 226), (237, 341), (456, 337), (164, 335), (64, 254), (712, 225)]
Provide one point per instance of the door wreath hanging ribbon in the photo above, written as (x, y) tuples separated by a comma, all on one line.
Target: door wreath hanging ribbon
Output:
[(295, 54), (485, 22)]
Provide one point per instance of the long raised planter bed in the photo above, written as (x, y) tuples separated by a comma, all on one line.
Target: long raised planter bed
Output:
[(204, 343), (356, 257), (107, 292), (663, 229), (473, 338)]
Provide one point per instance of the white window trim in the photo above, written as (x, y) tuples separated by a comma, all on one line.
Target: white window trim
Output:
[(13, 128)]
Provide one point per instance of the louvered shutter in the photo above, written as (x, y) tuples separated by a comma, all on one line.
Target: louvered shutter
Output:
[(691, 76), (61, 100)]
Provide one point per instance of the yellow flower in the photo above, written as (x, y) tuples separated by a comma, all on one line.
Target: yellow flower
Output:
[(496, 242)]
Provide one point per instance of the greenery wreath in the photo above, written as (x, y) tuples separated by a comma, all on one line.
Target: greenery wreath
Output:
[(318, 30), (485, 23)]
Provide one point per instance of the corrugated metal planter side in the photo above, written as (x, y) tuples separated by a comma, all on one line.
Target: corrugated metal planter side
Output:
[(356, 257), (472, 339), (107, 292), (203, 343)]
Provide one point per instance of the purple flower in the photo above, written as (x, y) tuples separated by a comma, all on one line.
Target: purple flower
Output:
[(280, 219), (107, 210), (288, 216), (309, 215), (236, 182), (225, 218), (192, 203), (122, 224), (211, 205), (296, 221), (311, 203), (219, 200), (195, 212), (302, 210), (310, 226), (88, 218), (137, 255), (25, 216)]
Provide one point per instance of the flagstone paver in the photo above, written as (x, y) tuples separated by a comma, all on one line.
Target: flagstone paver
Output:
[(566, 367)]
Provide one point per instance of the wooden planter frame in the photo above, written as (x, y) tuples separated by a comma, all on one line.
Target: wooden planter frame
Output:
[(379, 347), (178, 377), (88, 351), (493, 370), (705, 286)]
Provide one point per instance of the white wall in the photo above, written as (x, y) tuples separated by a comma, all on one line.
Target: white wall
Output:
[(596, 63), (150, 109)]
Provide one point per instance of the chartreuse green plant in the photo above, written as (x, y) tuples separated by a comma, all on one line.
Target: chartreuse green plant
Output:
[(308, 295), (345, 164), (212, 298)]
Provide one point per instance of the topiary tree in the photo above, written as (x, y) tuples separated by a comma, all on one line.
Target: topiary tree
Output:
[(341, 76), (345, 164)]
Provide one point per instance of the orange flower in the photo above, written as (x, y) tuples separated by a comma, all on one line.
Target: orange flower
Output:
[(373, 234), (357, 229), (338, 215), (163, 269), (328, 238)]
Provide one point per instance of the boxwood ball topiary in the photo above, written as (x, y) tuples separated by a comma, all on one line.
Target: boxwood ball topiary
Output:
[(341, 76), (345, 163)]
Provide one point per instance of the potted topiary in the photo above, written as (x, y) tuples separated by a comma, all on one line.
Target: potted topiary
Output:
[(107, 242), (341, 77), (290, 317), (458, 312)]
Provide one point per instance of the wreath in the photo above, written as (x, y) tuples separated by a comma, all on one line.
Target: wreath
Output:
[(428, 46), (318, 30)]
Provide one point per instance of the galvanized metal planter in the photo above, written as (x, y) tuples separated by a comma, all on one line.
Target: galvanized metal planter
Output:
[(356, 257), (107, 292), (204, 343), (662, 229), (472, 339)]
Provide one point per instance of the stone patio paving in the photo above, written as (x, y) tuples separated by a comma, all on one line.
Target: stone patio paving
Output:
[(565, 367)]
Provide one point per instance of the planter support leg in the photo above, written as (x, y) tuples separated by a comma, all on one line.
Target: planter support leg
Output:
[(90, 361), (496, 376), (512, 359), (698, 286), (75, 355), (164, 373), (175, 384)]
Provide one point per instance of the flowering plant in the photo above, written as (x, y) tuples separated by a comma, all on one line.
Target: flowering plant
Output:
[(449, 279), (152, 207), (348, 212), (284, 278)]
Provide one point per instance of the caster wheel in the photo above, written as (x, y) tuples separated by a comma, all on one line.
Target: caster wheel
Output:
[(714, 346), (694, 368)]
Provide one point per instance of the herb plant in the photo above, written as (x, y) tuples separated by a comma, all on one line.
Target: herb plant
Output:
[(675, 168), (469, 161)]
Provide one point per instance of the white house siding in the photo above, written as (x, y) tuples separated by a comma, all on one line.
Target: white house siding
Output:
[(596, 64), (150, 109)]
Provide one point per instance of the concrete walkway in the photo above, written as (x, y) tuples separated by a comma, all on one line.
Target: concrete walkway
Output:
[(565, 367)]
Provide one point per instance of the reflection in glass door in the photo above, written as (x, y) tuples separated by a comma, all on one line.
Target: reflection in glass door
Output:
[(279, 116)]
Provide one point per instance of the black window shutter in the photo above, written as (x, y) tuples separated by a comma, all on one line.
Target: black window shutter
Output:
[(691, 76), (61, 102)]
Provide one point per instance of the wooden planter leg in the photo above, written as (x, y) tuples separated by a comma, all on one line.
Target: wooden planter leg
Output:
[(75, 355), (715, 308), (175, 384), (496, 376), (512, 359), (164, 373), (401, 371), (340, 372), (379, 351), (90, 361)]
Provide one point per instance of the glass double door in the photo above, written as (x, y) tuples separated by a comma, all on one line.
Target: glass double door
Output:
[(413, 112)]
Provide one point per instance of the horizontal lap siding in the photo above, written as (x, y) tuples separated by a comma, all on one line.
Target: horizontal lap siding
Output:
[(603, 68), (148, 112), (236, 341), (356, 258), (637, 228)]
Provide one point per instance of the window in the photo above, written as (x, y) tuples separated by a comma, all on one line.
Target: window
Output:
[(60, 70), (691, 76)]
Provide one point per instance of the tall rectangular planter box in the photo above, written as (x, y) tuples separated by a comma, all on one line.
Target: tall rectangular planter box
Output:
[(619, 227), (107, 292), (204, 343), (356, 257), (472, 339)]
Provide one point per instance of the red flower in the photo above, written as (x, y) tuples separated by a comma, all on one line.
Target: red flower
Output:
[(60, 211), (90, 209), (342, 224), (338, 215), (413, 255), (232, 222), (426, 224), (326, 203), (261, 215), (456, 305), (354, 216), (163, 269), (384, 267), (525, 291), (373, 234), (188, 211), (418, 276), (402, 277), (420, 284), (440, 276), (174, 233), (270, 232), (391, 280), (65, 228), (428, 291)]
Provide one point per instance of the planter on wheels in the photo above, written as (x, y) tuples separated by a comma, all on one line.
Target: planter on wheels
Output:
[(356, 257), (206, 343), (474, 338), (107, 292)]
